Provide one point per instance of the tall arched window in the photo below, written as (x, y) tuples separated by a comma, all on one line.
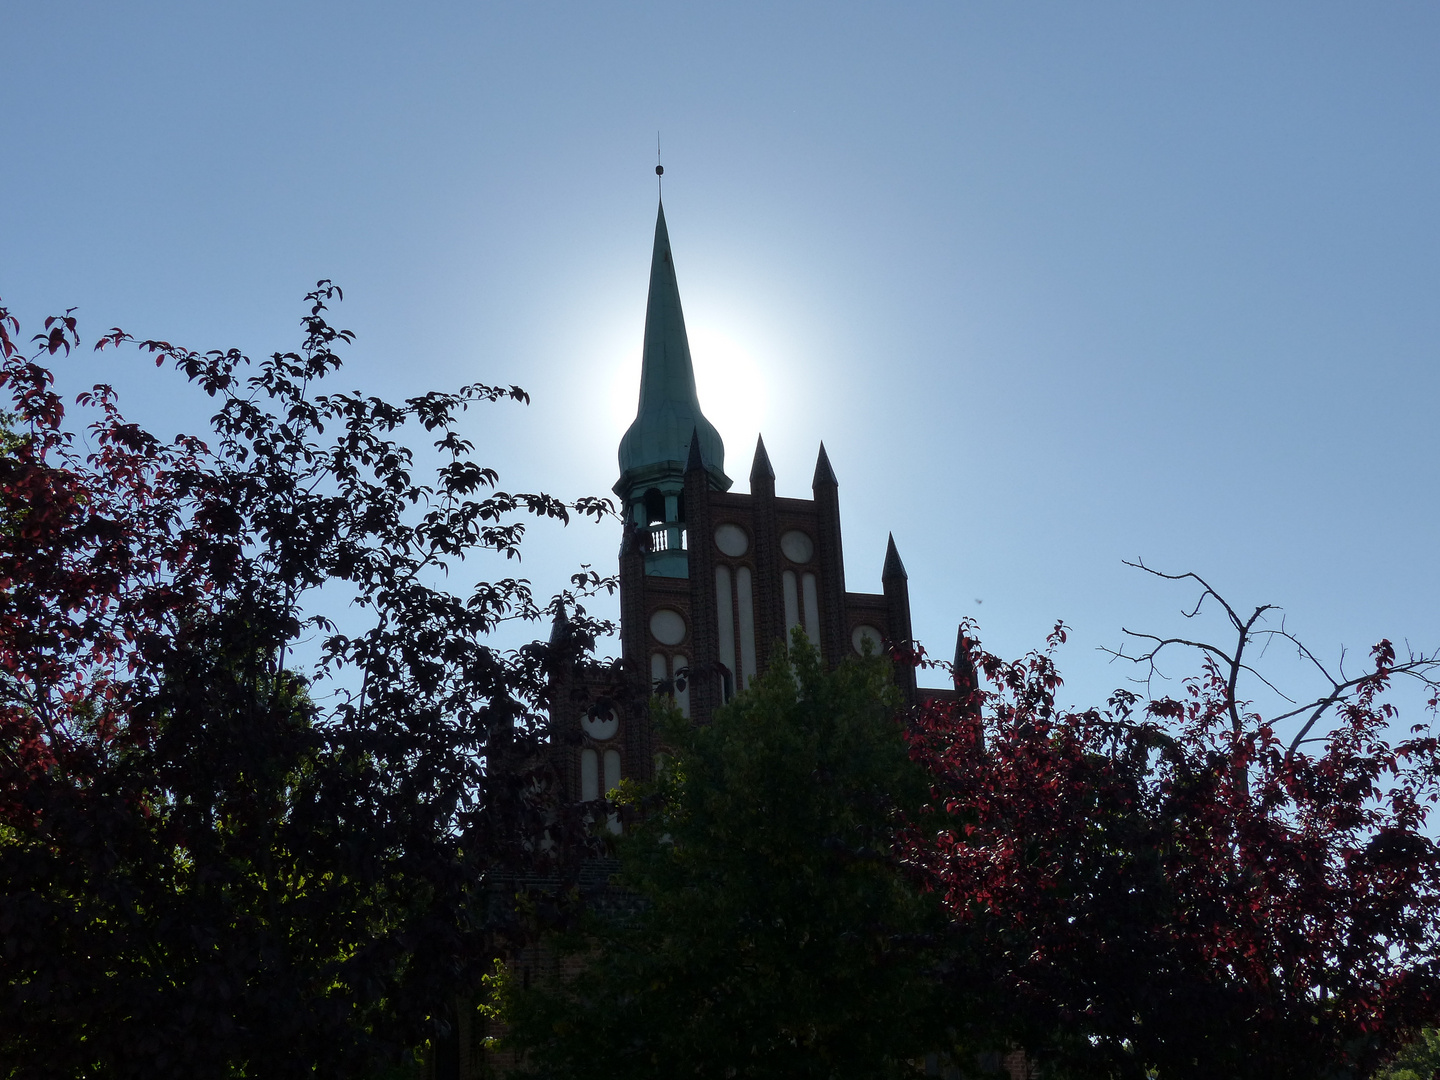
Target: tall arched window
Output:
[(589, 775), (725, 618), (810, 597)]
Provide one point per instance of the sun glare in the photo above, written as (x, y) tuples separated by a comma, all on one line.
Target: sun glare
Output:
[(730, 383)]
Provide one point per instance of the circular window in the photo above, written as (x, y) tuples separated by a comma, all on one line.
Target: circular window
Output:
[(866, 637), (731, 539), (798, 547), (667, 627), (600, 722)]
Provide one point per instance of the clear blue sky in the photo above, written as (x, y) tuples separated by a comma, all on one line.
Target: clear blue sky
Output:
[(1057, 284)]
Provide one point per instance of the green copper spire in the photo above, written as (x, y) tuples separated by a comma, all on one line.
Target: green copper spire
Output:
[(657, 445)]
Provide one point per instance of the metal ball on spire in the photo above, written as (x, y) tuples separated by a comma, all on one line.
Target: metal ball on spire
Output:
[(659, 170)]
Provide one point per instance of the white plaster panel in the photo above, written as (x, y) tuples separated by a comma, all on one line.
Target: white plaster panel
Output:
[(667, 626), (731, 540), (797, 546)]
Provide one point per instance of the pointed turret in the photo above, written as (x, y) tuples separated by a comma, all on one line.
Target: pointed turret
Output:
[(824, 474), (761, 468), (695, 460), (895, 583), (894, 569), (963, 671), (834, 634), (655, 446), (560, 627), (769, 609)]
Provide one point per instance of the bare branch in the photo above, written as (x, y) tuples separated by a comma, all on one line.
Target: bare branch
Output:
[(1422, 667), (1208, 590), (1251, 632), (1160, 643)]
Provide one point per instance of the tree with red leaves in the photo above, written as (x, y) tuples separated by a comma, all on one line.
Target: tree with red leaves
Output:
[(1179, 891), (216, 857)]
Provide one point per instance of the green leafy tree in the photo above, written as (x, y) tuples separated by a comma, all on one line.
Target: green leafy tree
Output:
[(1420, 1060), (770, 930)]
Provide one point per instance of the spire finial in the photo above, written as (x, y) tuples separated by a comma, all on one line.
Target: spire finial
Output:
[(659, 168)]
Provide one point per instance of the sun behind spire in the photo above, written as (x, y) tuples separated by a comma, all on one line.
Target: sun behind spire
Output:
[(654, 450)]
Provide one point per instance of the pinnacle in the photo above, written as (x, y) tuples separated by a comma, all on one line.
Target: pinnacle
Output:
[(761, 469), (824, 474), (560, 627), (963, 669), (894, 568), (696, 460)]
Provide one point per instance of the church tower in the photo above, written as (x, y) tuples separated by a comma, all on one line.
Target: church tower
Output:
[(712, 581)]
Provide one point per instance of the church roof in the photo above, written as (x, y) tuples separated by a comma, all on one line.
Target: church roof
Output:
[(657, 444)]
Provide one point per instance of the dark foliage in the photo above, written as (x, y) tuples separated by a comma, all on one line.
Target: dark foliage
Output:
[(1180, 892), (772, 932), (212, 863)]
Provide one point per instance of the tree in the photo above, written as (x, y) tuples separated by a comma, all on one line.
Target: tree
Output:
[(1185, 892), (217, 860), (770, 929), (1420, 1060)]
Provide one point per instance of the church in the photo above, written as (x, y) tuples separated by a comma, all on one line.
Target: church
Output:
[(712, 581)]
